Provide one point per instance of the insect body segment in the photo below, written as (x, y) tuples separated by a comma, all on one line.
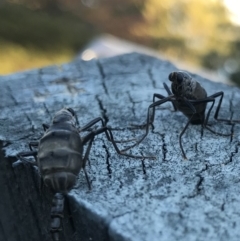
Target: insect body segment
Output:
[(57, 215)]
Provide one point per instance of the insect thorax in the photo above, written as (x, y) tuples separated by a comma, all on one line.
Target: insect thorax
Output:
[(189, 88)]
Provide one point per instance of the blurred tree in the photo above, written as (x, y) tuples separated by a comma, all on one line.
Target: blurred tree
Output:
[(36, 38), (196, 31), (49, 5), (189, 29)]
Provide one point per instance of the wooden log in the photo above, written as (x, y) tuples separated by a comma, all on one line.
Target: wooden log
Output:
[(164, 199)]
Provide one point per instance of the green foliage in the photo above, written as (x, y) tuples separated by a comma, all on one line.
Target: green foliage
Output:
[(195, 31), (196, 22), (132, 8), (212, 60), (235, 77), (31, 39), (41, 30)]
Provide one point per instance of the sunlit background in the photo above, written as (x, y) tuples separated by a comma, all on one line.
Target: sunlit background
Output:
[(200, 34)]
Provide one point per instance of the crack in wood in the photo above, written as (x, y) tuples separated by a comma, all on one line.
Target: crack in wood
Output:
[(107, 160), (103, 77), (150, 74), (133, 103), (103, 110)]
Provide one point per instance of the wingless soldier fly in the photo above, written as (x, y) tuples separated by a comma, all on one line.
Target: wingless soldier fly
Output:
[(59, 157), (189, 97)]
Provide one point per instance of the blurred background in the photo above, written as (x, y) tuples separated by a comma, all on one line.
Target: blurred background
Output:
[(195, 34)]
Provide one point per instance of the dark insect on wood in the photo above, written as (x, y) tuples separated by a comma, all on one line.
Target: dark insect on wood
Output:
[(59, 157), (189, 97)]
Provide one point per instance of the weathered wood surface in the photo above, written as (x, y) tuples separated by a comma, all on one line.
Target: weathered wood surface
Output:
[(166, 199)]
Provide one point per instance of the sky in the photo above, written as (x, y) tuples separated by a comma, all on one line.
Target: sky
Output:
[(234, 7)]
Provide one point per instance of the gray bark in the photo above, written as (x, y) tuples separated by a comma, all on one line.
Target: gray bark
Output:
[(164, 199)]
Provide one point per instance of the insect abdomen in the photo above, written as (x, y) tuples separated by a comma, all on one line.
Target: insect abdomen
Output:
[(198, 117), (60, 159), (60, 181)]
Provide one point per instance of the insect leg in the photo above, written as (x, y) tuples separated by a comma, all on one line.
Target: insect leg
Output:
[(151, 118), (45, 126), (157, 103), (180, 137), (74, 114), (110, 137), (169, 93), (207, 100), (85, 161), (22, 156), (190, 104), (192, 108), (95, 121), (91, 123), (221, 94), (159, 96), (121, 152), (33, 144)]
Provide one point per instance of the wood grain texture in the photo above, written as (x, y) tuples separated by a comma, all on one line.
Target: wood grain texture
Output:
[(164, 199)]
